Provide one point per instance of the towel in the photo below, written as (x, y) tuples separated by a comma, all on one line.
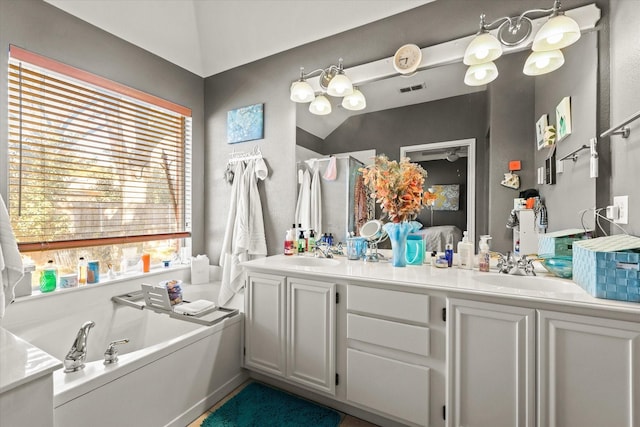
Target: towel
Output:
[(303, 207), (316, 203), (11, 270), (331, 173), (261, 169), (244, 237)]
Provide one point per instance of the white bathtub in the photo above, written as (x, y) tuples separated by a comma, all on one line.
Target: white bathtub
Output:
[(168, 374)]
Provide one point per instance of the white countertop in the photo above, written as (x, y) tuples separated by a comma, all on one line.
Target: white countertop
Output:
[(543, 287), (21, 362)]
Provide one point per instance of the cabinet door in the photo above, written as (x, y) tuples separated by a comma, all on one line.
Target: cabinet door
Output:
[(588, 371), (311, 333), (265, 323), (490, 365)]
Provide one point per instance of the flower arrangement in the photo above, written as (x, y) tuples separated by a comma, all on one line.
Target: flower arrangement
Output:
[(397, 187)]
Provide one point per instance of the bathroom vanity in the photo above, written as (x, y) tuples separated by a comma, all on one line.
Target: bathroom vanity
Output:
[(421, 346)]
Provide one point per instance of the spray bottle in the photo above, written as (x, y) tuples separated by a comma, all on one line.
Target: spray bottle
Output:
[(484, 256)]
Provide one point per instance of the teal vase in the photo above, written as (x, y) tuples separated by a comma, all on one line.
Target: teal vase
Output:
[(398, 232)]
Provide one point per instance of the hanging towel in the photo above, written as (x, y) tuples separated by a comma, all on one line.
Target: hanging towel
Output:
[(316, 203), (361, 205), (331, 173), (247, 239), (303, 207), (11, 270), (261, 169)]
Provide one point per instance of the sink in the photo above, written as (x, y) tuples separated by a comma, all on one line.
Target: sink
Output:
[(533, 283), (304, 261)]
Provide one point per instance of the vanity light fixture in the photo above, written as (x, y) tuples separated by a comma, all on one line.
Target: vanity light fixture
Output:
[(335, 82), (558, 32)]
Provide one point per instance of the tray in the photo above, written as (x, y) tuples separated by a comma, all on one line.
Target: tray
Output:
[(151, 298)]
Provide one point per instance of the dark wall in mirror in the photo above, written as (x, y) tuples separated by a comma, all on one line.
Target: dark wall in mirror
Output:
[(444, 172)]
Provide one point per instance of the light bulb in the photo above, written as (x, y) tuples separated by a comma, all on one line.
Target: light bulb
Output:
[(542, 62), (481, 53), (555, 38), (480, 74)]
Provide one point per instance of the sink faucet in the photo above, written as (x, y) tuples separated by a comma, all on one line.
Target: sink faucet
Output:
[(320, 252), (508, 264), (74, 360)]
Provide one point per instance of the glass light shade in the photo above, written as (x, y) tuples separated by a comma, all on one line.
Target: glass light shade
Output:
[(558, 32), (340, 85), (320, 106), (354, 102), (301, 91), (543, 62), (483, 48), (481, 74)]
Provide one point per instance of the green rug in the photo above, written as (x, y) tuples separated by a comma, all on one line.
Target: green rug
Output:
[(259, 405)]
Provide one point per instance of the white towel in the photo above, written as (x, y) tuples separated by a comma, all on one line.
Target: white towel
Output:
[(316, 203), (331, 172), (11, 270), (303, 207), (246, 239)]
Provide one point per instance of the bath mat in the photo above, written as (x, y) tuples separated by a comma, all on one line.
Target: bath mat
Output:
[(259, 405)]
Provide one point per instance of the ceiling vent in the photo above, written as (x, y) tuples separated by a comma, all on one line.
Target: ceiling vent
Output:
[(413, 88)]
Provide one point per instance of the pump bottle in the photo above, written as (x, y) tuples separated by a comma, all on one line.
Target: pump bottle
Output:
[(465, 252), (484, 256)]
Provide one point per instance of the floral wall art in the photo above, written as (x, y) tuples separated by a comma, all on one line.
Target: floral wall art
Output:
[(245, 124)]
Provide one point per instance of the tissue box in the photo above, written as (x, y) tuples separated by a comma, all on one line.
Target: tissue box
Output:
[(608, 267), (199, 269), (560, 243)]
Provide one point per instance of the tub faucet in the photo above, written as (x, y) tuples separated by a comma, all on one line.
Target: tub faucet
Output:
[(111, 354), (74, 360)]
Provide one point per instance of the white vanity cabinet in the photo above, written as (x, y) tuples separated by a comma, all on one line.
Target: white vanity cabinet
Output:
[(389, 353), (290, 329), (490, 364), (589, 371)]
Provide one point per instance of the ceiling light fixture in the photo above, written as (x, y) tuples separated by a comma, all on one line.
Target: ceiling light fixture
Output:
[(558, 32), (334, 82)]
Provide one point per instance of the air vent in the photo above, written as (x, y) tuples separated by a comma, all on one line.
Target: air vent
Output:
[(413, 88)]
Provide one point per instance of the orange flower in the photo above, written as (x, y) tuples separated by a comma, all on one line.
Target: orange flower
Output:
[(397, 187)]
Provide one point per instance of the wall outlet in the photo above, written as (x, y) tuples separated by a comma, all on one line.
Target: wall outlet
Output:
[(622, 202)]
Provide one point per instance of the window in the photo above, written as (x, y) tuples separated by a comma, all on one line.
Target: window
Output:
[(93, 164)]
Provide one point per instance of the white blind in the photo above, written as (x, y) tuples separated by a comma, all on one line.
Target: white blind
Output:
[(90, 166)]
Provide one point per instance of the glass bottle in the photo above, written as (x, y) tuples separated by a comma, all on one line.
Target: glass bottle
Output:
[(82, 271), (48, 277)]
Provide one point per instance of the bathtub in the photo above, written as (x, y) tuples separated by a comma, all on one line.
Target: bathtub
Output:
[(169, 373)]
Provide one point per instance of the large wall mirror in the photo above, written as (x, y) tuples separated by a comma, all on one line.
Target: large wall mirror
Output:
[(434, 106)]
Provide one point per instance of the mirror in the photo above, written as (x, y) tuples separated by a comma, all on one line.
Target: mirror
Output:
[(434, 107)]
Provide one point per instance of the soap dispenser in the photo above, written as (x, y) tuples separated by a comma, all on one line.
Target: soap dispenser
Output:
[(484, 256), (465, 252)]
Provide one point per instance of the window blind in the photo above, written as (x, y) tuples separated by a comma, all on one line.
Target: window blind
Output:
[(92, 162)]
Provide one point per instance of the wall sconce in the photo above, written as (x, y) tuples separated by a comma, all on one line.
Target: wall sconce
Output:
[(335, 82), (558, 32)]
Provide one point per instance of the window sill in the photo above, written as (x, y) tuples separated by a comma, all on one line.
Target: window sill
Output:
[(104, 282)]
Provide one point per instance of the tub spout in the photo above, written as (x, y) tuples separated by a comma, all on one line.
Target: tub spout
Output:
[(74, 360)]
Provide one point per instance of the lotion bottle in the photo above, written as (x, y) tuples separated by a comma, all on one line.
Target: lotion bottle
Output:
[(484, 256), (465, 252), (288, 243), (448, 252)]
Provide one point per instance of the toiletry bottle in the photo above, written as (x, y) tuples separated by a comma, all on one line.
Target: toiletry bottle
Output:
[(484, 256), (82, 271), (465, 252), (448, 251), (311, 242), (289, 247), (330, 239), (302, 242), (48, 277)]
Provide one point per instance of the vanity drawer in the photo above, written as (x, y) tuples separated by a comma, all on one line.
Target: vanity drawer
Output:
[(398, 336), (386, 303), (389, 386)]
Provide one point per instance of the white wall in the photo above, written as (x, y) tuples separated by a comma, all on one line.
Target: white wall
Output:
[(625, 101)]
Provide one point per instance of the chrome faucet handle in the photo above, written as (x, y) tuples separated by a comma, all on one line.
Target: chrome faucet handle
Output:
[(111, 353), (527, 265)]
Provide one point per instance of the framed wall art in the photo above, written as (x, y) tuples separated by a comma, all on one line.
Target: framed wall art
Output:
[(541, 126), (245, 124), (563, 119)]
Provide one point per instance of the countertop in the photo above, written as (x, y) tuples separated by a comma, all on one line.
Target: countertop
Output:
[(21, 362), (543, 287)]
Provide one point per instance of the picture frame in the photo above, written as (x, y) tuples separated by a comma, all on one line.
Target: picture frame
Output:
[(563, 119), (541, 126), (245, 124)]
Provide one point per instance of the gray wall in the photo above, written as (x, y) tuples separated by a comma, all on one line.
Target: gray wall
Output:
[(46, 30), (625, 101), (574, 191), (445, 172)]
